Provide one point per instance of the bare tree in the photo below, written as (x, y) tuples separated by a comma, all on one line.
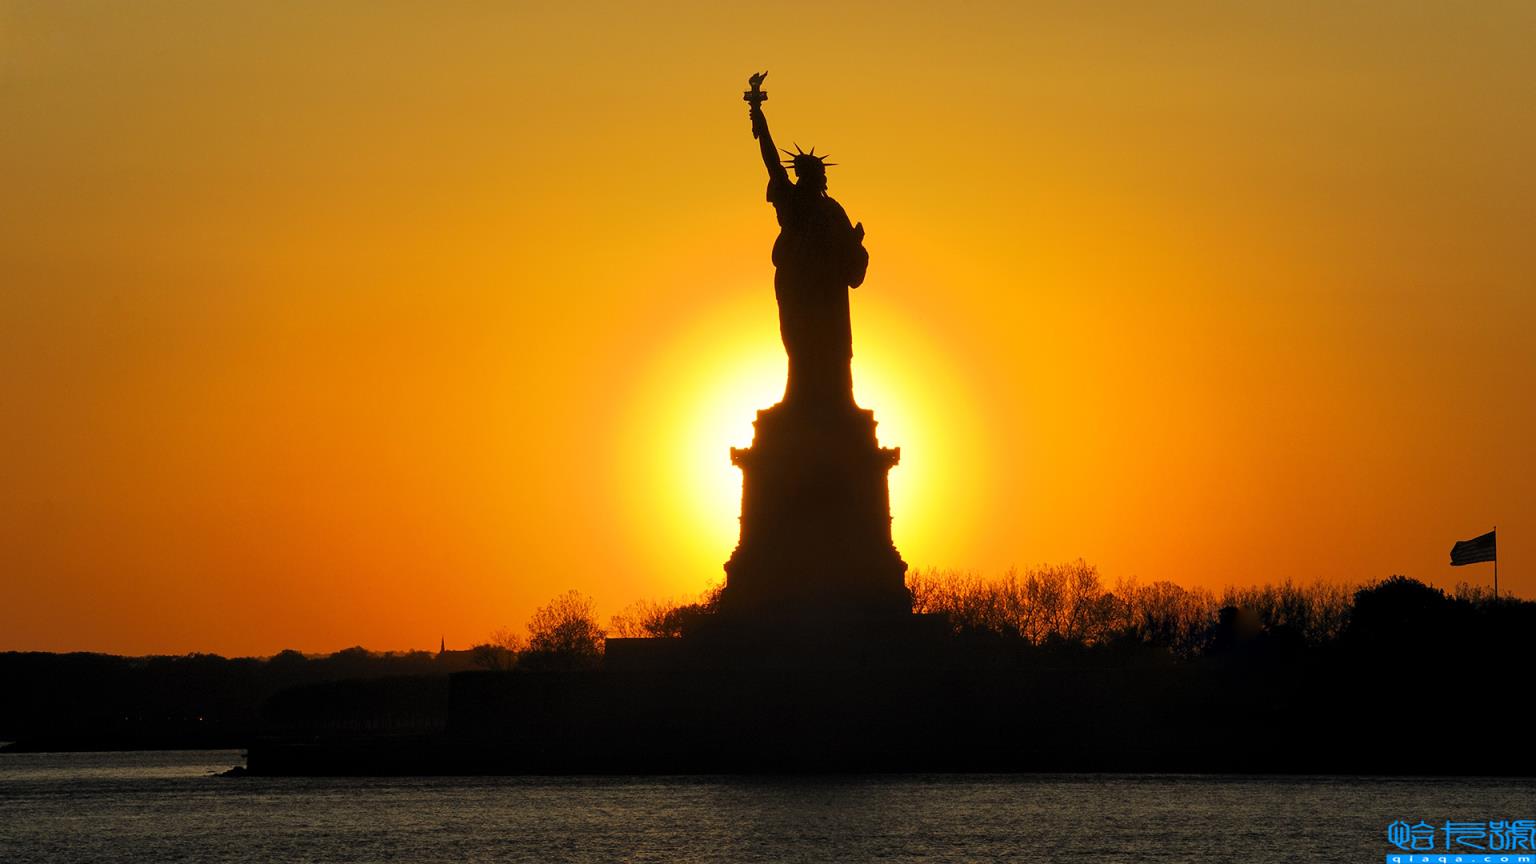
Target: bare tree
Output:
[(566, 629), (501, 652), (668, 619), (641, 619)]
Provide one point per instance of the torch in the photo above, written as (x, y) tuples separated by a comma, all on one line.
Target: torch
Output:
[(757, 95)]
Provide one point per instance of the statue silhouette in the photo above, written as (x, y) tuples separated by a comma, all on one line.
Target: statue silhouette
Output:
[(818, 256), (815, 508)]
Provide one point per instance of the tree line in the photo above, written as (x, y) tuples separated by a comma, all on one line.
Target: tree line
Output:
[(1061, 605)]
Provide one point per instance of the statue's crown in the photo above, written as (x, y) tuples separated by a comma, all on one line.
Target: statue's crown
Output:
[(803, 162)]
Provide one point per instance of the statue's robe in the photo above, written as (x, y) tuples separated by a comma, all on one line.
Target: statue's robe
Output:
[(818, 256)]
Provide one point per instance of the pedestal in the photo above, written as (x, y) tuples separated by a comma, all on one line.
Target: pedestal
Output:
[(815, 523)]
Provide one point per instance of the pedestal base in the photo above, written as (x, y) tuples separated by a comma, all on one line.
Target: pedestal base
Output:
[(815, 522)]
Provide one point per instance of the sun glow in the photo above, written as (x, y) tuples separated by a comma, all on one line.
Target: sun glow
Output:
[(703, 391)]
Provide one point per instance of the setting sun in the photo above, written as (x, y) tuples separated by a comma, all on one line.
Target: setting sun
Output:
[(698, 398)]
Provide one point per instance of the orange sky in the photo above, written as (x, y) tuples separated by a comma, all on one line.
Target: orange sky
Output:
[(327, 324)]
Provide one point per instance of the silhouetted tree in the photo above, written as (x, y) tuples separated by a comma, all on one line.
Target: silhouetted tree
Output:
[(1396, 604), (1478, 595), (651, 619), (1317, 612), (565, 633), (1405, 617), (501, 652), (640, 619), (1067, 604), (1054, 603), (1167, 615)]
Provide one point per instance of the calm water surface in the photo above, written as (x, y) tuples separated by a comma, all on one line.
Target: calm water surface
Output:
[(167, 807)]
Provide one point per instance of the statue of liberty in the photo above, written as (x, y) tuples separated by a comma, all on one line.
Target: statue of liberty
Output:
[(815, 505), (818, 256)]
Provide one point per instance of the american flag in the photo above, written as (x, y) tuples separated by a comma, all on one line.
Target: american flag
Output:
[(1484, 548)]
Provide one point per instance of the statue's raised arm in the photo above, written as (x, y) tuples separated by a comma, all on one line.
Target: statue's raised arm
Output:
[(755, 97)]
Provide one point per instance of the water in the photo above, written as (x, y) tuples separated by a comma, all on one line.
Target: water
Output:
[(167, 807)]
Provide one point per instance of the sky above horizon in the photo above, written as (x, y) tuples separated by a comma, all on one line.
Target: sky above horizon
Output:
[(375, 323)]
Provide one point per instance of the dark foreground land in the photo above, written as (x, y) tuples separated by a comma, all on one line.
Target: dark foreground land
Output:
[(1416, 683), (1033, 711)]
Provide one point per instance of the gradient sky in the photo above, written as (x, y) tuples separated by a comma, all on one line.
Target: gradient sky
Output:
[(336, 323)]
